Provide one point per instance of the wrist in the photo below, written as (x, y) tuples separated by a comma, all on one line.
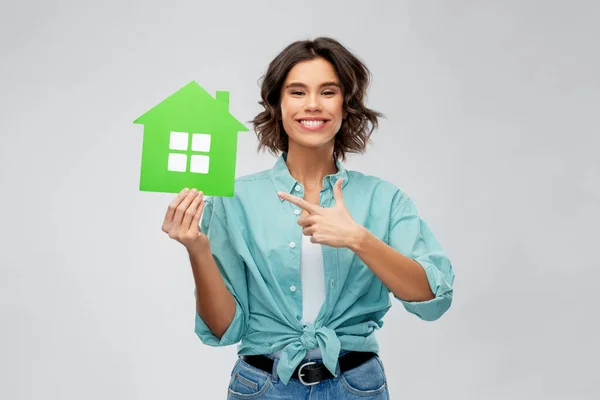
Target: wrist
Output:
[(357, 238), (199, 250)]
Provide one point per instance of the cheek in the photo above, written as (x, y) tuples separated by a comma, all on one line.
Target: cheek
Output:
[(287, 110), (337, 108), (287, 117)]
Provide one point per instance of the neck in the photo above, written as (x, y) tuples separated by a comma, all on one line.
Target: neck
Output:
[(310, 166)]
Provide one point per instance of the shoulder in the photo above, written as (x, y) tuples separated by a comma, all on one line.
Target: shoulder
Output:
[(382, 196), (375, 186)]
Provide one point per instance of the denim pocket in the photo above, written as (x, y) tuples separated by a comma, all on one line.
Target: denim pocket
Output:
[(248, 382), (366, 380), (245, 382)]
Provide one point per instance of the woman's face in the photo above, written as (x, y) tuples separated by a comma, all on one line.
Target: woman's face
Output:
[(312, 104)]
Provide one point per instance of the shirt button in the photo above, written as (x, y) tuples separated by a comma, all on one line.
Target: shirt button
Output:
[(293, 288), (298, 188), (292, 245), (297, 212), (332, 283)]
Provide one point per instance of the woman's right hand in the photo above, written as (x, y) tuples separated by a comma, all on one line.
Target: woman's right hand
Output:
[(182, 220)]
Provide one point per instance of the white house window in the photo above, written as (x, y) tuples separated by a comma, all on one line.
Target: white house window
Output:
[(199, 164), (179, 141), (177, 162), (201, 142)]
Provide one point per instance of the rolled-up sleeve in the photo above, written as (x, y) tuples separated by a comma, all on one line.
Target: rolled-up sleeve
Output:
[(233, 271), (410, 235)]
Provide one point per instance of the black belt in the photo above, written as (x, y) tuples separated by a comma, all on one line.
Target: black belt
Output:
[(311, 373)]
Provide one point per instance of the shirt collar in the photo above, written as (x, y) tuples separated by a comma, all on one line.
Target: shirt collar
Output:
[(285, 182)]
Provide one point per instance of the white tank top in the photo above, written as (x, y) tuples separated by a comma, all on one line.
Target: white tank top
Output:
[(312, 273)]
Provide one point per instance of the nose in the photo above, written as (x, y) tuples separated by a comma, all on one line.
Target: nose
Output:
[(312, 103)]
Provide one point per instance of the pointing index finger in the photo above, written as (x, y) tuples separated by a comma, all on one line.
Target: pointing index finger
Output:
[(311, 208)]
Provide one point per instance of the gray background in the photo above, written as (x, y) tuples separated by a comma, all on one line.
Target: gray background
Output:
[(492, 127)]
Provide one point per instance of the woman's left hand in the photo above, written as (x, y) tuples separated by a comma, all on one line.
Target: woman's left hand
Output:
[(329, 226)]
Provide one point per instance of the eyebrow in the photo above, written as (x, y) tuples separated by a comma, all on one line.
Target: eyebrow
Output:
[(302, 85)]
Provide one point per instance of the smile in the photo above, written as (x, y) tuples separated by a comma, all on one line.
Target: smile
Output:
[(313, 125), (312, 122)]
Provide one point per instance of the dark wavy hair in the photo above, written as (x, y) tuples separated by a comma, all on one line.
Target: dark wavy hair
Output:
[(360, 121)]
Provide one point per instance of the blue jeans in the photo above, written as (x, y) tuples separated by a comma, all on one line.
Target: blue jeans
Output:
[(367, 381)]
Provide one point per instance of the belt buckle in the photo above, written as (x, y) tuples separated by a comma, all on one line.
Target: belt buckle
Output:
[(300, 374)]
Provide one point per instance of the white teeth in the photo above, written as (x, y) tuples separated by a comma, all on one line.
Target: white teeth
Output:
[(311, 123)]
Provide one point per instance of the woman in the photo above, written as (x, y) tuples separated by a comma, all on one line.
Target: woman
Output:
[(299, 265)]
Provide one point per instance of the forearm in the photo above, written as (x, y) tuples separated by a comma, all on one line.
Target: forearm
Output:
[(215, 304), (402, 275)]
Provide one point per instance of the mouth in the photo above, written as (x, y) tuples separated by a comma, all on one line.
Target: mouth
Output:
[(312, 124)]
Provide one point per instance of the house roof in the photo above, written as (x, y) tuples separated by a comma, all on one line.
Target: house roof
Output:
[(191, 107)]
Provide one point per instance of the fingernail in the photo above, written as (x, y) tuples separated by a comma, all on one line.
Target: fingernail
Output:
[(194, 190), (186, 190)]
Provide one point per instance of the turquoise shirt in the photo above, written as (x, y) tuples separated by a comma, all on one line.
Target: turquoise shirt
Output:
[(255, 241)]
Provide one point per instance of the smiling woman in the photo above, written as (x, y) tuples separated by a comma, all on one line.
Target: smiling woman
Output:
[(318, 81), (312, 102), (300, 265)]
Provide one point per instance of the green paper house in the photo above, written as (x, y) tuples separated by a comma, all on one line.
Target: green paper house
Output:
[(190, 140)]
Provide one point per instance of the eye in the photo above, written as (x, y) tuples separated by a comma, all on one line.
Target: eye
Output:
[(296, 93), (328, 93)]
